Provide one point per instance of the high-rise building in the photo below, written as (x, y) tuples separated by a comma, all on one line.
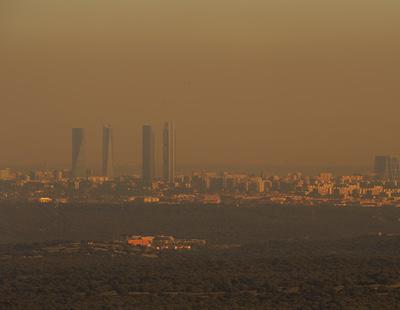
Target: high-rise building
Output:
[(395, 168), (78, 169), (387, 167), (169, 152), (381, 165), (108, 152), (148, 164)]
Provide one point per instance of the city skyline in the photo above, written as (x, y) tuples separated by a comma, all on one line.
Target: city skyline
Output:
[(79, 168), (384, 165)]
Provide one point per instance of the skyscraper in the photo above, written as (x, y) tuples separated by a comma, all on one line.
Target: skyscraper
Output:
[(387, 167), (148, 164), (78, 169), (108, 152), (169, 152)]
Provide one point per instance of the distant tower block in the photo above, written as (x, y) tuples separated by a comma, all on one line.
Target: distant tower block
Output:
[(78, 169), (169, 152), (148, 159), (108, 152), (387, 167)]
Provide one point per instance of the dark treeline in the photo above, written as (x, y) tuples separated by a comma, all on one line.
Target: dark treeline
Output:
[(273, 275), (257, 258)]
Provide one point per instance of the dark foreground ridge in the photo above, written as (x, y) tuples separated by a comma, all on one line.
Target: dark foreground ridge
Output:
[(255, 258), (361, 273)]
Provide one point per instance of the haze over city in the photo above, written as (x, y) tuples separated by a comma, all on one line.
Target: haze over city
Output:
[(256, 83), (199, 154)]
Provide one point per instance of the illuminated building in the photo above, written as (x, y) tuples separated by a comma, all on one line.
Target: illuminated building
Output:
[(140, 241)]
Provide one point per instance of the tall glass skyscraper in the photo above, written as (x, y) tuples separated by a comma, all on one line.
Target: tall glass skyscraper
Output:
[(148, 163), (78, 169), (108, 152), (387, 167), (169, 152)]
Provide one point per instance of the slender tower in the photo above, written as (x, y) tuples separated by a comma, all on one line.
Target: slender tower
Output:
[(148, 164), (387, 167), (108, 152), (169, 152), (78, 169)]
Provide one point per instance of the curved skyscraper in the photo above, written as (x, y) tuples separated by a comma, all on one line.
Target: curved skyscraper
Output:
[(78, 169), (148, 164), (108, 152), (169, 152)]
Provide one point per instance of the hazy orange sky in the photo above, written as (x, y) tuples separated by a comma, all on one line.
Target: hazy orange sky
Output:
[(278, 82)]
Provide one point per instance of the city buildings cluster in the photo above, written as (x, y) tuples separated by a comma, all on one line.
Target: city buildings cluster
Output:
[(161, 243), (124, 246), (382, 187), (55, 187)]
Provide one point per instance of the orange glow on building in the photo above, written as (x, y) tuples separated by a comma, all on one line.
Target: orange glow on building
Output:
[(141, 241)]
